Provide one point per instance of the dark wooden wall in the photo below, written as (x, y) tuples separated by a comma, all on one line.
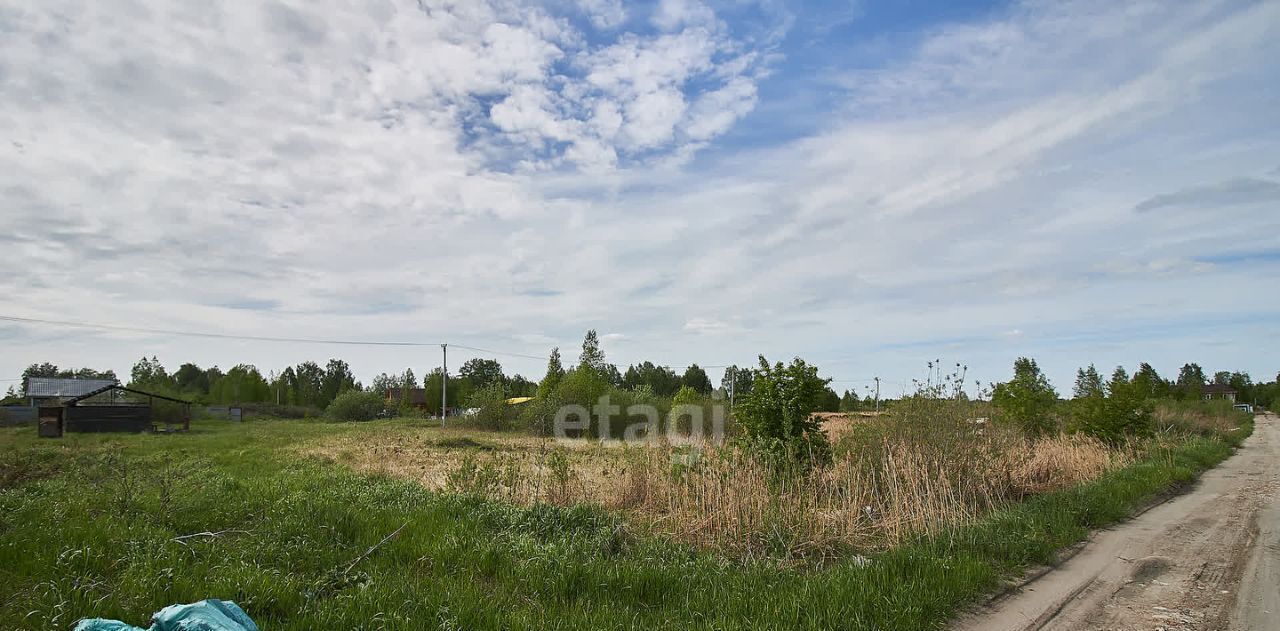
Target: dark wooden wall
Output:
[(107, 418)]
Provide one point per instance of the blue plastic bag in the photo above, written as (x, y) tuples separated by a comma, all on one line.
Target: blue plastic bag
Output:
[(206, 615)]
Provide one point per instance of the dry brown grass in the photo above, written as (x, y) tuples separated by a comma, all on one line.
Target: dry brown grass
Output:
[(1194, 416), (876, 493)]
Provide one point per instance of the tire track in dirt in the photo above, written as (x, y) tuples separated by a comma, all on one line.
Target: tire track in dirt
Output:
[(1208, 559)]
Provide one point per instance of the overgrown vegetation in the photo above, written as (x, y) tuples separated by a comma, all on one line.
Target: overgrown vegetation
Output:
[(1027, 399), (355, 405), (777, 414), (227, 511), (875, 521)]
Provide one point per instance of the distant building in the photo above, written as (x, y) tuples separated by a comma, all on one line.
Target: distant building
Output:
[(53, 391), (417, 398), (115, 408), (1218, 391)]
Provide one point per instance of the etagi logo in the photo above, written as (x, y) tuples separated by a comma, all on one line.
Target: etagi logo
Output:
[(686, 424)]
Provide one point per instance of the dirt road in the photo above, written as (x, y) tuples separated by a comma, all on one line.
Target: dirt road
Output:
[(1208, 559)]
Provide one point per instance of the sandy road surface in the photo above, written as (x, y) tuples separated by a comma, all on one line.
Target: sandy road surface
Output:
[(1208, 559)]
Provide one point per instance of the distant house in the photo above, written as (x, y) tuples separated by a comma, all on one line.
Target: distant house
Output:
[(52, 391), (417, 398), (1218, 391)]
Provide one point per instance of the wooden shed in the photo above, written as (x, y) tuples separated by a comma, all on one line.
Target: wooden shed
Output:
[(116, 408)]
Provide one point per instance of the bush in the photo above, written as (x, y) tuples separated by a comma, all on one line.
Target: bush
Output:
[(539, 415), (1027, 399), (581, 386), (490, 403), (1115, 414), (355, 405), (778, 413)]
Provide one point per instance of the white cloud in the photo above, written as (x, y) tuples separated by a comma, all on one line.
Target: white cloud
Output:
[(487, 174), (604, 14), (670, 15), (715, 112)]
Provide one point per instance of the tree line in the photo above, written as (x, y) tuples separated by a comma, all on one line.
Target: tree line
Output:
[(1118, 406), (313, 386)]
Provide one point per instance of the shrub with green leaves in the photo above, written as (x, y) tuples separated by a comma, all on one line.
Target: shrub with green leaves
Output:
[(490, 404), (1027, 399), (355, 405), (1113, 413), (777, 415)]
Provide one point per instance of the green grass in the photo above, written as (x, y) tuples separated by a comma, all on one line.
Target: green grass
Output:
[(87, 527)]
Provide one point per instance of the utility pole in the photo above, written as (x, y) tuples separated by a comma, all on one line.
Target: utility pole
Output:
[(444, 383), (877, 394), (733, 376)]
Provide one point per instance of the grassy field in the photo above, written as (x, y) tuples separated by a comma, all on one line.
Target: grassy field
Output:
[(272, 515)]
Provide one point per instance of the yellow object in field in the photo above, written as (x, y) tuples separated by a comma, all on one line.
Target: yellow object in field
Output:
[(518, 400)]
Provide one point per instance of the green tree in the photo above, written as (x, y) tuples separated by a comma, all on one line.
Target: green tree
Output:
[(213, 373), (482, 373), (1149, 383), (384, 383), (555, 372), (1242, 383), (336, 379), (1088, 383), (490, 404), (830, 401), (285, 387), (433, 383), (409, 383), (660, 379), (736, 381), (518, 386), (696, 378), (308, 385), (11, 397), (612, 375), (777, 414), (592, 357), (1191, 381), (242, 384), (190, 378), (582, 387), (150, 375), (686, 396), (849, 402), (1028, 398), (1120, 410)]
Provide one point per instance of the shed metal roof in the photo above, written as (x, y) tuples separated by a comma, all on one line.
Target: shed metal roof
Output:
[(116, 386), (58, 388)]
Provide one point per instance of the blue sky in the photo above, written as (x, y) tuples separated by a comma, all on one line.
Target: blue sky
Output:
[(868, 185)]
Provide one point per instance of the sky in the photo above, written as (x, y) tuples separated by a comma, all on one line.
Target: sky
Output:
[(868, 185)]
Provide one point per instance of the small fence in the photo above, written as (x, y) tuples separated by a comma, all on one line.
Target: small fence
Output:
[(17, 415), (224, 413)]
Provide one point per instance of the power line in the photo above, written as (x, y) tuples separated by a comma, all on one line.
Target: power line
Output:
[(486, 350), (266, 338)]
